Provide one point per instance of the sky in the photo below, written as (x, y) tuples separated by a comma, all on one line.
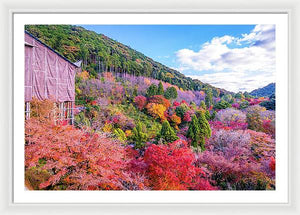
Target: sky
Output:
[(233, 57)]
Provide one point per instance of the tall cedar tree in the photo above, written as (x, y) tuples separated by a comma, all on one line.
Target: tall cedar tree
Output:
[(205, 130), (209, 98), (194, 132), (139, 136), (199, 129), (167, 133), (160, 90)]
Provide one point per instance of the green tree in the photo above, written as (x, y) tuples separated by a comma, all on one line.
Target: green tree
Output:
[(244, 104), (135, 91), (213, 115), (181, 109), (239, 95), (222, 105), (171, 93), (167, 133), (254, 121), (207, 115), (120, 134), (205, 130), (84, 53), (160, 90), (139, 136), (228, 98), (198, 131), (269, 105), (194, 132), (209, 97), (152, 90), (203, 105)]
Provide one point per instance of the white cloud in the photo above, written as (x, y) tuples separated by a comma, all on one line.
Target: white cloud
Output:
[(234, 69)]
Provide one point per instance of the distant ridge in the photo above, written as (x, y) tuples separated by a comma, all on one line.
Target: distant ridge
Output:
[(266, 91)]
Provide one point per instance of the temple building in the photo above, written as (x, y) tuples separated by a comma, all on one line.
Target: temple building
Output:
[(49, 75)]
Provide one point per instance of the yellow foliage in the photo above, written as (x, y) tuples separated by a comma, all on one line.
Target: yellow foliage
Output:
[(156, 110), (176, 119), (84, 75), (107, 127), (169, 75), (43, 110), (128, 133), (77, 90)]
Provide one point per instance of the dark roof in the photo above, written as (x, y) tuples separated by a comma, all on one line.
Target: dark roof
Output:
[(52, 49)]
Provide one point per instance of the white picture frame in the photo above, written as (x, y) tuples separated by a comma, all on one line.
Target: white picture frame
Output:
[(290, 207)]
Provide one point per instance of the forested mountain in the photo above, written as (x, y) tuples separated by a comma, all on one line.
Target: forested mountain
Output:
[(101, 53), (264, 91)]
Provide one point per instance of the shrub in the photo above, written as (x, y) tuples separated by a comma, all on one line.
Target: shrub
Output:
[(140, 102), (139, 136), (254, 118), (226, 116), (222, 105), (269, 127), (43, 110), (156, 110), (158, 99), (181, 110), (175, 120), (240, 159), (76, 159), (187, 117), (120, 134), (170, 167), (167, 133)]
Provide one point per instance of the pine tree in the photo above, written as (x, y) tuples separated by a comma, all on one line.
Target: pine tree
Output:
[(167, 133), (171, 93), (152, 90), (139, 136), (160, 90)]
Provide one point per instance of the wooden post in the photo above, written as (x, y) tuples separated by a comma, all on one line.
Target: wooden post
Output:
[(27, 110)]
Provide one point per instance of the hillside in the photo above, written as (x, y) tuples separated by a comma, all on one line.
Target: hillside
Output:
[(264, 91), (131, 131), (101, 53)]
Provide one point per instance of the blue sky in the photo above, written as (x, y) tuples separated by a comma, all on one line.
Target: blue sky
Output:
[(210, 53)]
